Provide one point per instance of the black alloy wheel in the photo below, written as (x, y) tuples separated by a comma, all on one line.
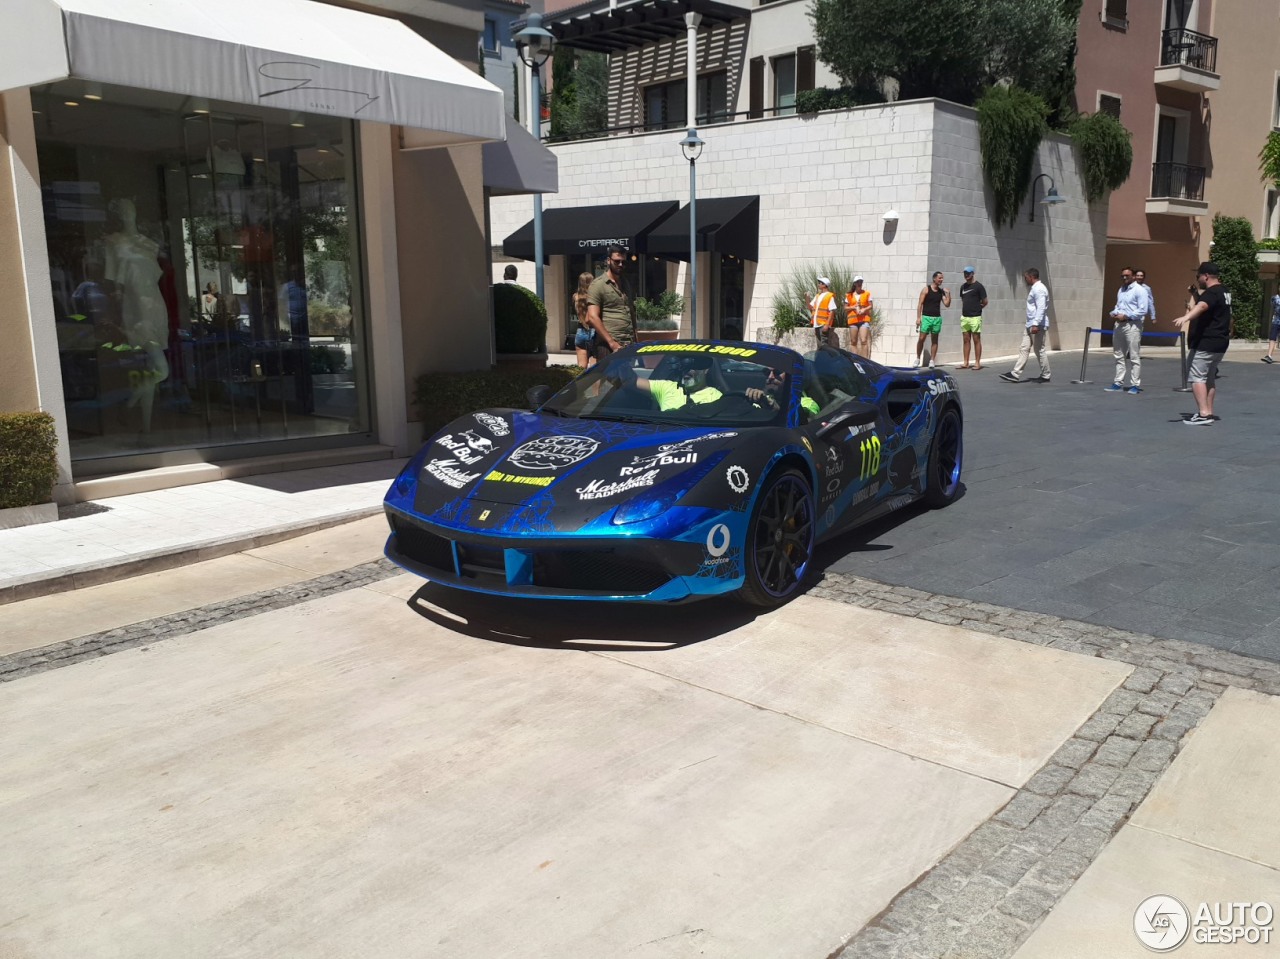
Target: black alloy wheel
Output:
[(946, 457), (779, 540)]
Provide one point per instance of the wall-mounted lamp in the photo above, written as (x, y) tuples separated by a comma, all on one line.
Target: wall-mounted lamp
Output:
[(890, 216), (1051, 198)]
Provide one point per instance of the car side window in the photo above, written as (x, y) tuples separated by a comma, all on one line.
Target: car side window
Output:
[(832, 379)]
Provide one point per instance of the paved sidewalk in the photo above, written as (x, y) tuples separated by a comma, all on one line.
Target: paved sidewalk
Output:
[(126, 535)]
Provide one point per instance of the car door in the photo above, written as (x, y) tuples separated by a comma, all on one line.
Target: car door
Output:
[(849, 436)]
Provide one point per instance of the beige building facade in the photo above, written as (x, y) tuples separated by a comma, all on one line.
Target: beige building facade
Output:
[(195, 271)]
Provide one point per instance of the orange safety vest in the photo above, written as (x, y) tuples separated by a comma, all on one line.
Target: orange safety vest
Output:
[(826, 304), (854, 300)]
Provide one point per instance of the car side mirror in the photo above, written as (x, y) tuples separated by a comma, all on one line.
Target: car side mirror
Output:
[(537, 395), (851, 414)]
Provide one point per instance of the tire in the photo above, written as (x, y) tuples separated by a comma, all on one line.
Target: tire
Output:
[(780, 534), (946, 457)]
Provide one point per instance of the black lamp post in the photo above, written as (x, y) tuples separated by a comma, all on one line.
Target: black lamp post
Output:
[(691, 146), (534, 44)]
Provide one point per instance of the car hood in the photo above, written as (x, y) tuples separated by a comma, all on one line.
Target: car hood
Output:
[(510, 471)]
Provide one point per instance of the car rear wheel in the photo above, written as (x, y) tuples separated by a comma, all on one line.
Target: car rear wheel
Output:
[(779, 540), (946, 456)]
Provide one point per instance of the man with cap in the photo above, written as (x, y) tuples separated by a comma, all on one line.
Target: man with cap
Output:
[(973, 298), (857, 308), (822, 312), (1209, 336)]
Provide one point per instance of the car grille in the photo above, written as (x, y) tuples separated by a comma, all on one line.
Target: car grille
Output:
[(482, 562), (423, 547), (601, 570)]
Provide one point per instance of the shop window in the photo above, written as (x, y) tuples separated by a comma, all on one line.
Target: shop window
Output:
[(784, 85), (205, 274)]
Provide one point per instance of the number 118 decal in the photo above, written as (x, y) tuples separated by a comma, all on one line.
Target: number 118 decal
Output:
[(870, 447)]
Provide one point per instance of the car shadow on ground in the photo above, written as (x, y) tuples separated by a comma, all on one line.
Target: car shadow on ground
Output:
[(582, 625), (862, 538)]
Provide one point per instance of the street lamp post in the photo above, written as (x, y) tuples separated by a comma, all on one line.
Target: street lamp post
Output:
[(1051, 198), (534, 45), (691, 147)]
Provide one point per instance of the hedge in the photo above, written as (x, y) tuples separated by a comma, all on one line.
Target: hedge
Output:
[(519, 320), (443, 397), (28, 459)]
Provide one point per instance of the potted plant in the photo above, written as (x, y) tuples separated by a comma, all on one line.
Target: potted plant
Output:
[(659, 319)]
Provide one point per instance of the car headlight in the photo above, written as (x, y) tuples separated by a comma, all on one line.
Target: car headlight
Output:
[(646, 507), (403, 484)]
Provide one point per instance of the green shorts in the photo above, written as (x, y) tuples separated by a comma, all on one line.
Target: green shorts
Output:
[(930, 324), (970, 324)]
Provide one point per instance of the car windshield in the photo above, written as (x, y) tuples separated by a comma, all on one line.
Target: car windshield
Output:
[(685, 383)]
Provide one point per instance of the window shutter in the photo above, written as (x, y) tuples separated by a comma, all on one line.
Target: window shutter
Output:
[(806, 68), (755, 95)]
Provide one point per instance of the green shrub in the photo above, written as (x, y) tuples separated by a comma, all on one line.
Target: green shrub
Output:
[(836, 98), (1011, 124), (443, 397), (1236, 253), (328, 359), (519, 319), (660, 313), (1270, 243), (1269, 159), (1106, 153), (28, 459)]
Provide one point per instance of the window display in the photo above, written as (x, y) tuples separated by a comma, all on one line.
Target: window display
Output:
[(204, 271)]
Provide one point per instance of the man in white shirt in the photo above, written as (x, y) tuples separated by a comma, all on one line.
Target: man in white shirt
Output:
[(1037, 327)]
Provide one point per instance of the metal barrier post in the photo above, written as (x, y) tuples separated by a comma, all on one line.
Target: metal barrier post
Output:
[(1184, 363), (1084, 359)]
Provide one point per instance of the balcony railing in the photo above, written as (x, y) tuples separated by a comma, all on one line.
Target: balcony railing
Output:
[(716, 118), (1187, 48), (1177, 180)]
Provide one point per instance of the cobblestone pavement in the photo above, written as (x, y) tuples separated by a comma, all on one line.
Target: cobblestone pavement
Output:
[(985, 898)]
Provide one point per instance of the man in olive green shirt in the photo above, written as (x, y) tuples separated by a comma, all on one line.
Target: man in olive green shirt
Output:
[(609, 308)]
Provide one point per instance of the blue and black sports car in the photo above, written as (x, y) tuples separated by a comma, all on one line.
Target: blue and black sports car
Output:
[(674, 471)]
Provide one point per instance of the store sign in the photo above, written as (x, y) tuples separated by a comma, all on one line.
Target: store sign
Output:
[(310, 86), (622, 241)]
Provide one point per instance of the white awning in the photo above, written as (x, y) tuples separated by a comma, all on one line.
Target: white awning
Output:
[(522, 165), (290, 54)]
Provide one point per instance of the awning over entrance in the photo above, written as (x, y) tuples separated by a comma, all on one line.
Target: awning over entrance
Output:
[(591, 229), (520, 165), (290, 54), (726, 224)]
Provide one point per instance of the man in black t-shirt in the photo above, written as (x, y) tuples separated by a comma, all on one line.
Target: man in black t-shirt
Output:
[(1209, 336), (973, 297)]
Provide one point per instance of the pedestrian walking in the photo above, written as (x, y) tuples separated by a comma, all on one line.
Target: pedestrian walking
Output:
[(1132, 304), (822, 313), (1037, 327), (1141, 277), (933, 298), (973, 299), (857, 304), (610, 311), (1275, 329), (1210, 328), (584, 338)]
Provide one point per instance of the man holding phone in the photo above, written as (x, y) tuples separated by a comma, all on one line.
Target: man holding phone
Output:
[(1037, 327)]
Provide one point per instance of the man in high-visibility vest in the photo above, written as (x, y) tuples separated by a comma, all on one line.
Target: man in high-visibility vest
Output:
[(822, 312)]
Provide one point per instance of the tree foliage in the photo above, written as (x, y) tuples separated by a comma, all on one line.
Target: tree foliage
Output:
[(948, 48), (1106, 153), (1011, 124), (1236, 253), (1269, 159), (580, 92)]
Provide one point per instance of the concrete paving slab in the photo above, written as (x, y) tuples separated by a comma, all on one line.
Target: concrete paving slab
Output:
[(329, 550), (1096, 918), (342, 778), (1221, 790), (985, 705), (45, 620)]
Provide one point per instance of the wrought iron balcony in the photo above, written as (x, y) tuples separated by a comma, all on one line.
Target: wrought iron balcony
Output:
[(1177, 189), (1188, 61)]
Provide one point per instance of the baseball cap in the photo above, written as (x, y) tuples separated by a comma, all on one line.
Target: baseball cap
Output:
[(824, 280), (968, 269), (857, 279), (1209, 268)]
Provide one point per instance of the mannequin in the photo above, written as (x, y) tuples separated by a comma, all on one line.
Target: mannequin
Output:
[(131, 263), (210, 303)]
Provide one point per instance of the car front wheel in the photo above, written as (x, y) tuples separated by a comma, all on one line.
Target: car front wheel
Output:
[(779, 540)]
